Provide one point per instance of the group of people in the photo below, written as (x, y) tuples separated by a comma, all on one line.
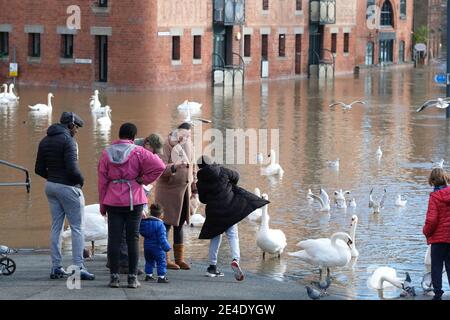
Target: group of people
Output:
[(125, 168)]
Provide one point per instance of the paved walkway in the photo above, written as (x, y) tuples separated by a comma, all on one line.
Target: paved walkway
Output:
[(31, 281)]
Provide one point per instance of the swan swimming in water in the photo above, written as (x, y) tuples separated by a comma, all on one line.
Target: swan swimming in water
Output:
[(190, 105), (272, 241), (274, 167), (375, 204), (44, 107)]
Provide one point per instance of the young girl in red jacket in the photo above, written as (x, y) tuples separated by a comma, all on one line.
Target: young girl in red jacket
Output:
[(437, 228)]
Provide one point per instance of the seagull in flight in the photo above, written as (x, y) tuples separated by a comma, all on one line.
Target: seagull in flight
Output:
[(346, 106), (441, 103)]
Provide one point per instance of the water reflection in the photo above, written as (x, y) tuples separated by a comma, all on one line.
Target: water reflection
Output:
[(310, 135)]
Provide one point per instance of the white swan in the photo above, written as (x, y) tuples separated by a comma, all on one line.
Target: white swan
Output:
[(196, 219), (272, 241), (94, 224), (427, 259), (256, 215), (273, 168), (44, 107), (339, 199), (190, 105), (3, 98), (94, 103), (354, 223), (326, 252), (352, 203), (399, 202), (379, 153), (324, 200), (385, 277), (105, 121), (11, 95)]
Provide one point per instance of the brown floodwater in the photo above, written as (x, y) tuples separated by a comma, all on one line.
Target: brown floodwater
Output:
[(310, 134)]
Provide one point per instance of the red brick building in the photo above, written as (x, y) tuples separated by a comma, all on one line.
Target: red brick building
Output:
[(384, 32), (166, 43)]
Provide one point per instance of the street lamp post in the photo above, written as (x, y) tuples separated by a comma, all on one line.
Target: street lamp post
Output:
[(448, 56)]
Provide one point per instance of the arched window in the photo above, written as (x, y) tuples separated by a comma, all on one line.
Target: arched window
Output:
[(387, 14), (369, 53)]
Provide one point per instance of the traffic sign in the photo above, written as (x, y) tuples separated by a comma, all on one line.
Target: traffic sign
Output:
[(440, 78)]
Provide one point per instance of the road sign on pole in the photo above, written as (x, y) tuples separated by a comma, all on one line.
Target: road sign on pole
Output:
[(441, 78)]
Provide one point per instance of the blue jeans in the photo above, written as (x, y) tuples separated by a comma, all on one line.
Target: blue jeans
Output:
[(66, 202), (233, 240)]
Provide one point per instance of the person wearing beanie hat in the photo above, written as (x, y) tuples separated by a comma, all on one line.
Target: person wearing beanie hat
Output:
[(155, 244), (57, 162), (226, 205)]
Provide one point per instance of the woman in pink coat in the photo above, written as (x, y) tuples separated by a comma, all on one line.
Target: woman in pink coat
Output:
[(122, 169)]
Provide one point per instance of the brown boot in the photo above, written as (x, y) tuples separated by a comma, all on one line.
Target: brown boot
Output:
[(170, 264), (178, 251)]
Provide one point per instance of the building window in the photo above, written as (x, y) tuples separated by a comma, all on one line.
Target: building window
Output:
[(34, 45), (370, 3), (67, 46), (176, 48), (265, 4), (402, 9), (401, 52), (197, 47), (386, 51), (387, 14), (346, 42), (247, 45), (4, 44), (369, 53), (103, 3), (333, 42), (282, 45), (298, 5), (264, 47)]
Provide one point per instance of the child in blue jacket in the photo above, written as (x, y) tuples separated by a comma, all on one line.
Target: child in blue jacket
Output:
[(155, 244)]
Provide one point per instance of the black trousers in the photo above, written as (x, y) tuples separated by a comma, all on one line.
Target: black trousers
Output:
[(120, 219), (440, 256), (178, 235)]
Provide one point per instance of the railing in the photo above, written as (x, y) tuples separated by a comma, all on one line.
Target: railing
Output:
[(322, 61), (27, 182), (235, 66)]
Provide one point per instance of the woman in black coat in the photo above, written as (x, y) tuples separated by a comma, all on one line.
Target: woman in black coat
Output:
[(226, 205)]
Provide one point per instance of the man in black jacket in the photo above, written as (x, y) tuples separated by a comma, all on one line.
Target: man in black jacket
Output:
[(57, 162)]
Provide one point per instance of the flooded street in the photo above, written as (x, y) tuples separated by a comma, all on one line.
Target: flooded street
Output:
[(310, 135)]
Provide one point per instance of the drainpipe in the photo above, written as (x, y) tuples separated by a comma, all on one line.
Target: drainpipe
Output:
[(448, 57)]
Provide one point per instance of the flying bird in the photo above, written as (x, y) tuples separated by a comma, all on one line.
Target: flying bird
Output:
[(346, 106), (441, 103)]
